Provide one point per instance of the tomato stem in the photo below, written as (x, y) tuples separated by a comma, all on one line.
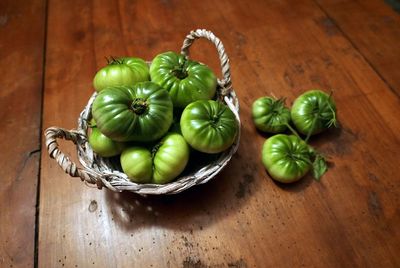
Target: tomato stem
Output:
[(214, 119), (113, 61), (311, 129), (318, 164), (294, 132), (155, 149), (92, 124), (179, 73), (139, 106), (333, 120), (180, 70)]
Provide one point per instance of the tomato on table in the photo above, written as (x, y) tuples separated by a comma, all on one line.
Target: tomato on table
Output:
[(287, 158), (313, 112), (270, 115)]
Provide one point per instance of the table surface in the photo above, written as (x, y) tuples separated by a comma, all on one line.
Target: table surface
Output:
[(49, 53)]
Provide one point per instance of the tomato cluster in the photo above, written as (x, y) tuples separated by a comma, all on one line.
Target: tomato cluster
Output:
[(288, 158), (152, 116)]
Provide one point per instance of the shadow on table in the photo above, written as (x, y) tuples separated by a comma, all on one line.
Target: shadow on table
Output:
[(197, 207), (297, 186)]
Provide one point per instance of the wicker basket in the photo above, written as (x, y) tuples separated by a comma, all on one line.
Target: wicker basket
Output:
[(102, 172)]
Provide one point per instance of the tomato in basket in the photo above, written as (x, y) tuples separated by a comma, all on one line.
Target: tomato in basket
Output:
[(121, 72), (186, 80), (209, 126), (160, 164), (142, 112), (103, 145)]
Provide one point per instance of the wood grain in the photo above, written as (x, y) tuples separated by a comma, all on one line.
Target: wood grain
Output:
[(241, 218), (374, 29), (21, 66)]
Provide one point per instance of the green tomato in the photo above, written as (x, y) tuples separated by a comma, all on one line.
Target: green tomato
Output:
[(287, 158), (270, 115), (103, 145), (209, 126), (137, 164), (313, 112), (121, 72), (142, 112), (185, 80), (160, 165)]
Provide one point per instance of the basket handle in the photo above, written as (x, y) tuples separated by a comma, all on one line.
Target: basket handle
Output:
[(51, 136), (225, 83)]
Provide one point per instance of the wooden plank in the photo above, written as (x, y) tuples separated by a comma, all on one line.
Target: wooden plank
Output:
[(374, 29), (22, 27), (241, 218)]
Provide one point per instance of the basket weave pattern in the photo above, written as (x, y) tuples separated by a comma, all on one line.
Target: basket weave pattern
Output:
[(100, 171)]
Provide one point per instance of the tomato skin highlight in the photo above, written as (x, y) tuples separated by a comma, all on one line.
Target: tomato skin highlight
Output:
[(104, 146), (121, 72), (209, 126), (185, 80), (270, 115), (313, 112), (287, 158), (142, 112), (159, 165)]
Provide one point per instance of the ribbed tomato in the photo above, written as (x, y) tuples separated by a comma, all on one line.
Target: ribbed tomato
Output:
[(185, 80), (142, 112), (313, 112), (286, 158), (209, 126), (160, 164), (121, 72)]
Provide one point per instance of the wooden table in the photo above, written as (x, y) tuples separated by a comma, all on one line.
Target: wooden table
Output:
[(49, 53)]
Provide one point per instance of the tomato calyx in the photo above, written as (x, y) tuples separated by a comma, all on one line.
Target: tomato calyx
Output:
[(317, 115), (332, 121), (113, 61), (180, 71), (278, 106), (312, 128), (155, 149), (298, 157), (214, 120), (139, 106), (316, 160), (92, 123)]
